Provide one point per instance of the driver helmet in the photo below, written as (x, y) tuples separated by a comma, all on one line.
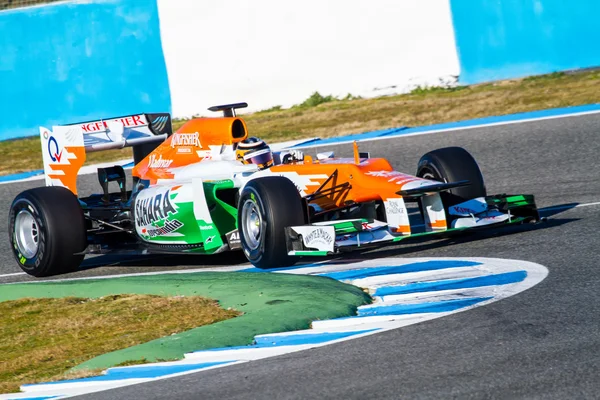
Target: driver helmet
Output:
[(254, 151)]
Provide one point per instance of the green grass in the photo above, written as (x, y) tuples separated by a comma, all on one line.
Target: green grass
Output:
[(82, 327), (41, 339), (325, 116)]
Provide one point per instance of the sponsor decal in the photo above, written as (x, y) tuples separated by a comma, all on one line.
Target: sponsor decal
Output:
[(186, 139), (101, 126), (392, 207), (206, 227), (318, 237), (209, 239), (160, 122), (53, 149), (159, 162), (463, 210), (233, 239), (153, 208), (170, 226)]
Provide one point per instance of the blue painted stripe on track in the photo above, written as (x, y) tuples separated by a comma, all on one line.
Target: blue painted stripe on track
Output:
[(399, 269), (554, 112), (291, 340), (432, 307), (22, 175), (464, 283), (306, 338), (114, 374)]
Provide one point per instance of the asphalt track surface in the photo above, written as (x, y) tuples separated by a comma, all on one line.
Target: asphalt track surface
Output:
[(542, 343)]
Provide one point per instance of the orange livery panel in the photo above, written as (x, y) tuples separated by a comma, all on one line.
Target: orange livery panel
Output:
[(190, 144)]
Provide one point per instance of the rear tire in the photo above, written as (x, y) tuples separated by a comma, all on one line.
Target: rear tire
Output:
[(47, 227), (453, 164), (266, 207)]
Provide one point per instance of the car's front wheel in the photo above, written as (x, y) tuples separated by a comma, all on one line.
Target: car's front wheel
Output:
[(47, 231), (453, 164), (266, 207)]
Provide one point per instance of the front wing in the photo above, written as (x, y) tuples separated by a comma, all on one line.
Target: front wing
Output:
[(334, 237)]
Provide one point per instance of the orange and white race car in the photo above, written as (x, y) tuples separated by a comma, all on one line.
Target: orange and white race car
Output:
[(209, 188)]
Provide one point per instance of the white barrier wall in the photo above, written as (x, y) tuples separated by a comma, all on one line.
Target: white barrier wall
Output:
[(273, 52)]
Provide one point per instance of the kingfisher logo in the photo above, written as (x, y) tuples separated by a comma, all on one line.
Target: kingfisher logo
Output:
[(54, 150)]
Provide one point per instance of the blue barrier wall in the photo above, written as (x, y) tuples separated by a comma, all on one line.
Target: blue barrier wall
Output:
[(501, 39), (73, 62)]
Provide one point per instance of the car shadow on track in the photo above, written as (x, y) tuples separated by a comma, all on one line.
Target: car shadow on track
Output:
[(127, 264), (413, 248), (231, 258)]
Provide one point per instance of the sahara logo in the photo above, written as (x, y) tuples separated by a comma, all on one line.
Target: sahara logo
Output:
[(153, 208), (53, 149)]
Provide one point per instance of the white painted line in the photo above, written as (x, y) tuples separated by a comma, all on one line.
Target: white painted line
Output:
[(179, 271), (15, 274), (458, 128), (242, 355), (407, 278), (439, 295), (569, 206)]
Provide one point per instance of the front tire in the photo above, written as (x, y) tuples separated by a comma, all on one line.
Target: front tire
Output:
[(453, 164), (266, 207), (47, 229)]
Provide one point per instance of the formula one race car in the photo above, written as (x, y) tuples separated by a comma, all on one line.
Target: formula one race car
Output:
[(208, 188)]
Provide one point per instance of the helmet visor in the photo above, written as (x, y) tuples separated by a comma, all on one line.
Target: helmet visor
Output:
[(260, 157)]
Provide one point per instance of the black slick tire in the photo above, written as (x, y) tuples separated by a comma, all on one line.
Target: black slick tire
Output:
[(453, 164), (55, 224), (266, 207)]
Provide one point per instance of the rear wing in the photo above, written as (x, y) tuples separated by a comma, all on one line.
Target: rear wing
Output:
[(64, 147)]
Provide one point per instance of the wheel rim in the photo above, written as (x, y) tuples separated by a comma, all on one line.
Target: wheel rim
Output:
[(251, 224), (426, 173), (27, 233)]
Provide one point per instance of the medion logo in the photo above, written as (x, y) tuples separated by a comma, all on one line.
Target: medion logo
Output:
[(153, 209), (186, 139)]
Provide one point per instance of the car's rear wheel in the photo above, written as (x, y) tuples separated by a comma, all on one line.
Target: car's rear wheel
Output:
[(453, 164), (266, 207), (47, 230)]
